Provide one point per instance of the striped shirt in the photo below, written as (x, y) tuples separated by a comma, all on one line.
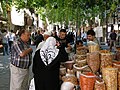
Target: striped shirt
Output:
[(22, 62)]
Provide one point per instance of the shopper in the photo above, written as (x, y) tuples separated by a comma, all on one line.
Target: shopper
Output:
[(64, 41), (21, 55), (46, 65)]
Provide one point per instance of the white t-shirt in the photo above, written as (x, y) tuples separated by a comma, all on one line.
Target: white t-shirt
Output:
[(11, 36)]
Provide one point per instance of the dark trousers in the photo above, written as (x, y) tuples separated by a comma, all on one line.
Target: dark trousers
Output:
[(5, 48), (112, 44), (10, 45)]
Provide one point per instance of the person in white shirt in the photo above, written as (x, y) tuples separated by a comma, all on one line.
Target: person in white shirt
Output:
[(11, 38)]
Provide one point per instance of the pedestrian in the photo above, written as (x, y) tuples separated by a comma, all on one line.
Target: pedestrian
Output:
[(84, 37), (11, 39), (21, 55), (46, 65), (113, 37), (1, 45), (38, 38), (5, 43)]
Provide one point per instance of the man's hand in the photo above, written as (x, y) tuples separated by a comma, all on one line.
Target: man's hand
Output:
[(25, 52), (1, 46)]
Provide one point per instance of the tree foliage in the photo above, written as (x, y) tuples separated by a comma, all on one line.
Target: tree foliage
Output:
[(69, 10)]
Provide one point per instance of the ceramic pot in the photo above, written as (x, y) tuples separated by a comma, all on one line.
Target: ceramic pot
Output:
[(62, 71), (67, 86), (69, 64)]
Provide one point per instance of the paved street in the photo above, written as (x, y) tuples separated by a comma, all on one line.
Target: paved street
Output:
[(5, 71)]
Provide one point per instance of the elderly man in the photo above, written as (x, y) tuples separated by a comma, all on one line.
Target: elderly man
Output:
[(21, 55), (45, 36)]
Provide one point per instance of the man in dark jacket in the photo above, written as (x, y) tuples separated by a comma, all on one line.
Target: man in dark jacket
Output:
[(39, 38), (113, 37)]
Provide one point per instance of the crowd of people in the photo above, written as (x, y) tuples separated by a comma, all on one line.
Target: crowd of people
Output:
[(51, 50), (6, 41)]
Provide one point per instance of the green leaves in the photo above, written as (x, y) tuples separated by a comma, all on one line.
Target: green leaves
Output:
[(68, 10)]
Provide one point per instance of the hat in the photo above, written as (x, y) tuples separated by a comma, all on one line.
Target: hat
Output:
[(47, 33)]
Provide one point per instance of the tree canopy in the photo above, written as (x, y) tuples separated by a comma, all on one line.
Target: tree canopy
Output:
[(68, 10)]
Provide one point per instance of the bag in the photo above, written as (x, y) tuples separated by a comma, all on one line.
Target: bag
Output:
[(87, 81), (32, 85)]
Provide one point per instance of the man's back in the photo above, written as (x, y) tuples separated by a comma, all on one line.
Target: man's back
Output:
[(113, 36)]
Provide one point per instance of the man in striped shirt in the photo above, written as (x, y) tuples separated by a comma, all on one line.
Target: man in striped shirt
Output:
[(21, 55)]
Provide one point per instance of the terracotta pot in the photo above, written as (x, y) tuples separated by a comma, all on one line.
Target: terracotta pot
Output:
[(71, 79), (69, 64), (62, 71)]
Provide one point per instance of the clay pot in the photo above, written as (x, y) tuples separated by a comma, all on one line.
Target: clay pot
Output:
[(62, 71), (81, 63), (70, 78), (67, 86), (69, 64), (82, 69)]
